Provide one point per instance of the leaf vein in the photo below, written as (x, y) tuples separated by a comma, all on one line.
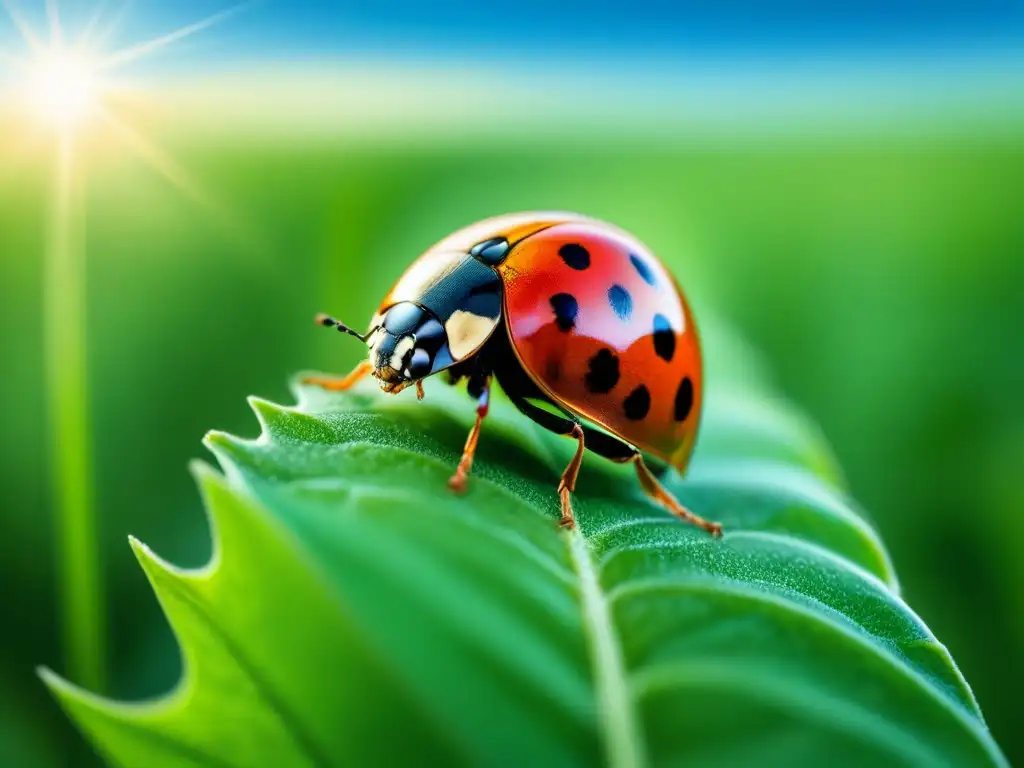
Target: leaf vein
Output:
[(845, 626)]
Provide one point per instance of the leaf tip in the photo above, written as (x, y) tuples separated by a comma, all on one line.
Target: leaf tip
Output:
[(261, 405), (216, 438), (291, 423), (156, 568), (225, 446), (202, 472), (66, 692), (50, 678), (147, 558), (272, 417), (63, 690)]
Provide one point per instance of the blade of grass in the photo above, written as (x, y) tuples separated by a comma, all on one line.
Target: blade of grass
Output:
[(81, 600)]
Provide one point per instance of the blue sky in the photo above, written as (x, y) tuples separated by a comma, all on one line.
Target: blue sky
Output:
[(600, 29), (564, 31), (732, 52)]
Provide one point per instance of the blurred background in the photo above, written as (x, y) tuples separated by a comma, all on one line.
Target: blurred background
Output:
[(844, 187)]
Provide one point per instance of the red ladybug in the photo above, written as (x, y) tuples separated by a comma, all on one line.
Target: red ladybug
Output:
[(560, 309)]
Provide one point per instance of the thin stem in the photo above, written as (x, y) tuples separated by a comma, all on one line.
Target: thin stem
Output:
[(82, 611)]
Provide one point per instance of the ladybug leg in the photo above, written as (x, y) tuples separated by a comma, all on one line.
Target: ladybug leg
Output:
[(568, 482), (621, 452), (660, 494), (560, 426), (340, 384), (457, 482)]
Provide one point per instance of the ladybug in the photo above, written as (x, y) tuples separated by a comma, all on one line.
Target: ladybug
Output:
[(562, 310)]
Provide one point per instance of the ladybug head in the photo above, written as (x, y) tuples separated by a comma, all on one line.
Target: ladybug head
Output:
[(407, 344), (441, 312)]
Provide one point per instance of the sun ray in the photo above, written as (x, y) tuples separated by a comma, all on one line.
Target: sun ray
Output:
[(92, 35), (21, 24), (56, 30), (93, 20), (147, 48), (169, 168), (157, 159)]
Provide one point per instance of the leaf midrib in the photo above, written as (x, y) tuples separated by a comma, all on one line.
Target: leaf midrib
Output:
[(615, 711)]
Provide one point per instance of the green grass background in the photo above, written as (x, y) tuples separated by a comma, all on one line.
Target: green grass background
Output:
[(880, 274)]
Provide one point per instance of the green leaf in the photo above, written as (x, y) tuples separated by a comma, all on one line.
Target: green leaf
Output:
[(356, 612)]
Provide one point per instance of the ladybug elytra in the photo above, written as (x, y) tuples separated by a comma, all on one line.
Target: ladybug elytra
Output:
[(559, 309)]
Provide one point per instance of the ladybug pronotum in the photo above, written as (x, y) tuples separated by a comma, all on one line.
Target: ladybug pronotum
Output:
[(560, 309)]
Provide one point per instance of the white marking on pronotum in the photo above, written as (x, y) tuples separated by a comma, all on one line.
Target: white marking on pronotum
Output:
[(466, 332)]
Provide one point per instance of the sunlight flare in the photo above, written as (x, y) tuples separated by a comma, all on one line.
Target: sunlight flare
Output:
[(22, 26), (166, 166), (62, 80), (64, 87), (135, 52), (53, 18), (70, 87)]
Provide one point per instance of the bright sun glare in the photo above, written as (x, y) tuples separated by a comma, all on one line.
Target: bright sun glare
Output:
[(64, 86), (60, 78)]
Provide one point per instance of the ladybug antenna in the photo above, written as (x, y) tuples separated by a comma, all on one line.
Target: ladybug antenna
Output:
[(330, 322)]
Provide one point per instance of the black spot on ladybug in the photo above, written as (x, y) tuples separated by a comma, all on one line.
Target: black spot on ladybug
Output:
[(643, 269), (637, 404), (565, 308), (575, 255), (621, 301), (490, 251), (684, 399), (664, 338), (552, 370), (604, 372)]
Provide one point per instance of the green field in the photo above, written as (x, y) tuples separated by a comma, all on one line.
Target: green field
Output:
[(880, 277)]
